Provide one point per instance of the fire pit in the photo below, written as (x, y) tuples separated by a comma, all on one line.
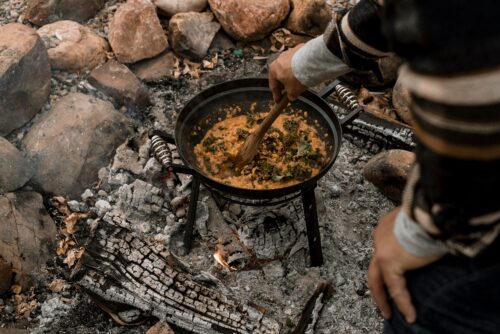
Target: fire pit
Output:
[(204, 110)]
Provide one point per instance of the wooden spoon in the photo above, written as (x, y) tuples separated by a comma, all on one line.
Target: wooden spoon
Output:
[(251, 145)]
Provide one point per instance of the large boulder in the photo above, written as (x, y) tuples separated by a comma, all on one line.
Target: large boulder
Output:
[(135, 33), (42, 12), (389, 171), (309, 17), (158, 68), (27, 234), (172, 7), (190, 34), (250, 20), (24, 76), (117, 81), (70, 143), (15, 169), (73, 47)]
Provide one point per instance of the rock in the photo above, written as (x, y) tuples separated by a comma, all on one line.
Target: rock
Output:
[(24, 76), (221, 41), (157, 68), (172, 7), (401, 101), (180, 212), (160, 328), (309, 17), (102, 206), (5, 276), (178, 201), (73, 47), (70, 143), (15, 169), (135, 32), (42, 12), (190, 34), (334, 189), (249, 21), (27, 234), (74, 206), (117, 81), (388, 171), (87, 194)]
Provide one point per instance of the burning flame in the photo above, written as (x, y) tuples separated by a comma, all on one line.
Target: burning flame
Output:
[(220, 257)]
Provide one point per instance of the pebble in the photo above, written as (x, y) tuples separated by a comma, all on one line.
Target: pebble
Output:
[(2, 302), (87, 194), (74, 206), (118, 179), (103, 173), (103, 206), (180, 212), (102, 193), (178, 201), (335, 190)]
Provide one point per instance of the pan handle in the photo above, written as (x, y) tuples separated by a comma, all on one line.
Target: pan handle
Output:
[(346, 97), (163, 154)]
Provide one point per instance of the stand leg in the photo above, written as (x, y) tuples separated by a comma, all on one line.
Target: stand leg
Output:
[(313, 236), (193, 203)]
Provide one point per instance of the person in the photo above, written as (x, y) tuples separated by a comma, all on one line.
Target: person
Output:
[(435, 267)]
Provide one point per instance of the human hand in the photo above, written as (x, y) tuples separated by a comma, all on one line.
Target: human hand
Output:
[(389, 263), (282, 79)]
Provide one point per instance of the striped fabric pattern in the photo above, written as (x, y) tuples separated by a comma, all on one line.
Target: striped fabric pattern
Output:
[(453, 74)]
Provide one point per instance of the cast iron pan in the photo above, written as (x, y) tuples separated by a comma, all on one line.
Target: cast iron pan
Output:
[(207, 108)]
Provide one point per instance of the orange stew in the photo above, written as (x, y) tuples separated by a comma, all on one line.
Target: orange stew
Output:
[(291, 152)]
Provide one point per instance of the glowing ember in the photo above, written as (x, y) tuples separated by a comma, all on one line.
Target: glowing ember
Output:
[(220, 257)]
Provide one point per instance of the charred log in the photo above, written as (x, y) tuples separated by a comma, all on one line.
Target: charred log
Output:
[(120, 269)]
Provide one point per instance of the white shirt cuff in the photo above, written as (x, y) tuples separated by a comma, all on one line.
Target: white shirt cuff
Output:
[(414, 239), (314, 63)]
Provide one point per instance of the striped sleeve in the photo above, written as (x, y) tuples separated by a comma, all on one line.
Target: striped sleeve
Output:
[(357, 36), (453, 74)]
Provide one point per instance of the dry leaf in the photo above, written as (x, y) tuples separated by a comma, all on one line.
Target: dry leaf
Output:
[(73, 255), (191, 68), (71, 221), (24, 309), (208, 64), (64, 245), (16, 289), (58, 285)]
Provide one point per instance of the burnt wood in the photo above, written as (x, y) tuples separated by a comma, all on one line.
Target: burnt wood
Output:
[(133, 276)]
